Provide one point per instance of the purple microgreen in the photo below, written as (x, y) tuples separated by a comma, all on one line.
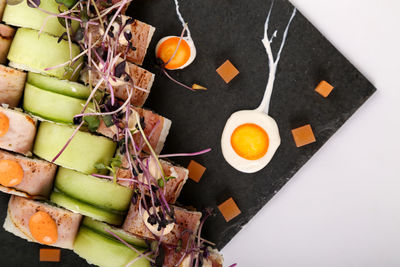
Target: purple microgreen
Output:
[(61, 37), (33, 3), (120, 69), (128, 35)]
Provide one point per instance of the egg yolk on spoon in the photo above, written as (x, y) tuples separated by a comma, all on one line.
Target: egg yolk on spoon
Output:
[(43, 228), (4, 124), (11, 173), (167, 49), (250, 141)]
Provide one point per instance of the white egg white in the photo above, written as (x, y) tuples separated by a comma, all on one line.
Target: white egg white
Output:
[(192, 47), (260, 119)]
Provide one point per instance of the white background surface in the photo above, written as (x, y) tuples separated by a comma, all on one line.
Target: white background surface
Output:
[(343, 207)]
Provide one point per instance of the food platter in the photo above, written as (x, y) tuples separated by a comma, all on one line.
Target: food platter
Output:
[(233, 30)]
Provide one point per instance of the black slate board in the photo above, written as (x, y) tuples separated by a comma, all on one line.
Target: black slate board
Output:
[(233, 30)]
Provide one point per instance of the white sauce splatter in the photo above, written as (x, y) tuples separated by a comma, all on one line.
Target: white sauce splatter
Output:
[(273, 63)]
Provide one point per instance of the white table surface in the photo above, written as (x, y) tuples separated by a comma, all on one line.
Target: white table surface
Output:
[(343, 207)]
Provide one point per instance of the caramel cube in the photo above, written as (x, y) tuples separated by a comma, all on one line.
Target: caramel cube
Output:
[(50, 254), (324, 89), (303, 135), (196, 171), (227, 71), (229, 209)]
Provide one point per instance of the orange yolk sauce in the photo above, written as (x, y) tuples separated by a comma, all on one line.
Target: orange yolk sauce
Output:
[(250, 141), (43, 228), (11, 173), (166, 51), (4, 124)]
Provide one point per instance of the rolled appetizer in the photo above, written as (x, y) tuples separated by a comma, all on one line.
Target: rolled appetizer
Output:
[(154, 126), (12, 83), (22, 15), (97, 198), (211, 258), (82, 153), (133, 37), (132, 78), (143, 223), (173, 186), (6, 36), (45, 54), (27, 177), (41, 222), (17, 131), (100, 244)]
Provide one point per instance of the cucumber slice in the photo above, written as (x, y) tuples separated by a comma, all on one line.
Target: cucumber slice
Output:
[(55, 85), (82, 153), (33, 52), (105, 252), (21, 15), (101, 228), (95, 191), (51, 106), (86, 209)]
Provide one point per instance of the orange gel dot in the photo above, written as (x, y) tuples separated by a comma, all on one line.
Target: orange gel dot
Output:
[(166, 51), (43, 228), (11, 173), (250, 141), (4, 124)]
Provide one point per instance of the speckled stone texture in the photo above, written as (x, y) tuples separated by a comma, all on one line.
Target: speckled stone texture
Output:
[(233, 29)]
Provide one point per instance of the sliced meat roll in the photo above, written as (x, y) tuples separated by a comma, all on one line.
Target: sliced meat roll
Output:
[(35, 179), (173, 187), (12, 83), (17, 131), (134, 33), (22, 219), (172, 258), (139, 80), (156, 128), (186, 222), (6, 36)]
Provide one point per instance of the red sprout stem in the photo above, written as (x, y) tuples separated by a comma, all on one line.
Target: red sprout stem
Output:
[(185, 154), (175, 81), (69, 141), (177, 47)]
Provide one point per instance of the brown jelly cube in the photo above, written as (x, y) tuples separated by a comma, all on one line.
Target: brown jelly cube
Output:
[(227, 71), (324, 88), (50, 254), (229, 209), (196, 171), (303, 135)]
